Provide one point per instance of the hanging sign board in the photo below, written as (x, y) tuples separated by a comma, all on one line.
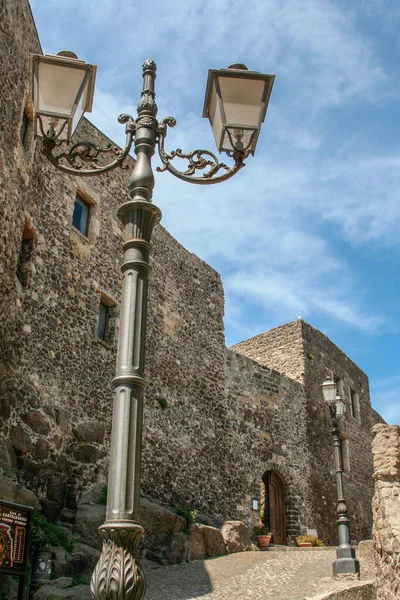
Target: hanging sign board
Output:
[(15, 520)]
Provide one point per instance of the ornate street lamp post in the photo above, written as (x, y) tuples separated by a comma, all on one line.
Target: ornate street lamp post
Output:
[(346, 561), (236, 103)]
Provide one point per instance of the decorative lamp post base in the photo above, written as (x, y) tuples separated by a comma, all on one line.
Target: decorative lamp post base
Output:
[(346, 561), (118, 574)]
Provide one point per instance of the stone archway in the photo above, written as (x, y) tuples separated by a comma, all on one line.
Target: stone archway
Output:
[(273, 506)]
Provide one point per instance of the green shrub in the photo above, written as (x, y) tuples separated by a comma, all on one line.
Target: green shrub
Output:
[(45, 534), (163, 402), (190, 514), (79, 581)]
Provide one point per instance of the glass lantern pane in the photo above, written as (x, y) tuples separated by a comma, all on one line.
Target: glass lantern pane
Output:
[(215, 116), (80, 109), (242, 100), (339, 406), (56, 123), (245, 138), (58, 87)]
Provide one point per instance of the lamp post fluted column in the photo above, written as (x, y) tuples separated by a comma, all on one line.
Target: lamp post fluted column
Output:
[(118, 574), (245, 95), (346, 561)]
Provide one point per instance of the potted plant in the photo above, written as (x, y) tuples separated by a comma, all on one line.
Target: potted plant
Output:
[(308, 541), (263, 536)]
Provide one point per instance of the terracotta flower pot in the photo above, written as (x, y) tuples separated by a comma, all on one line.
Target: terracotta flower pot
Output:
[(304, 544), (263, 541)]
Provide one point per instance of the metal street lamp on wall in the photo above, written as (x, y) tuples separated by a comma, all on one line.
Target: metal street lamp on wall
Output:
[(346, 561), (62, 90)]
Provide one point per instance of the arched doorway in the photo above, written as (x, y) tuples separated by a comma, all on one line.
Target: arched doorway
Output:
[(274, 506)]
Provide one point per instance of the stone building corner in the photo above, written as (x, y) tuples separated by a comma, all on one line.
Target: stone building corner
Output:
[(386, 510)]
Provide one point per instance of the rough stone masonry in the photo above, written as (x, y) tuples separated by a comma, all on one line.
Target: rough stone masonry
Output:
[(386, 510), (216, 420)]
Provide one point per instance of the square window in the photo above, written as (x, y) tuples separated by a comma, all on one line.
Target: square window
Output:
[(80, 216)]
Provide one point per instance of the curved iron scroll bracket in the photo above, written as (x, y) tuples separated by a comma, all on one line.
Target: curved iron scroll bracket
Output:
[(87, 153), (198, 160)]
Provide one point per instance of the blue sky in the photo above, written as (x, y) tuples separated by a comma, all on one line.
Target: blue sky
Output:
[(311, 226)]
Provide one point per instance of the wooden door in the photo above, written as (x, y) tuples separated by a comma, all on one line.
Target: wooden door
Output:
[(275, 496)]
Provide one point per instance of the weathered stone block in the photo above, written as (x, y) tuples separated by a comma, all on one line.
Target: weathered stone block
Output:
[(20, 439), (83, 559), (37, 421), (236, 536), (56, 489), (67, 515), (63, 420), (5, 408), (213, 540), (87, 521), (177, 547), (158, 523), (86, 453), (89, 431), (51, 509), (42, 449), (7, 488), (197, 546), (367, 559), (5, 458), (27, 497), (54, 591), (93, 494)]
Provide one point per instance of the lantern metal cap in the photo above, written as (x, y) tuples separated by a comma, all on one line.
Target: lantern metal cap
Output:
[(238, 66), (67, 54)]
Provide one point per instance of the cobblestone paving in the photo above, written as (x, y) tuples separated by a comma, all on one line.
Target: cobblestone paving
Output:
[(287, 575)]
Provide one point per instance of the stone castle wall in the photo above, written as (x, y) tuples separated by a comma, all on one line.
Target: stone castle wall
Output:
[(268, 432), (386, 510), (308, 356), (214, 420), (323, 358), (280, 349)]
